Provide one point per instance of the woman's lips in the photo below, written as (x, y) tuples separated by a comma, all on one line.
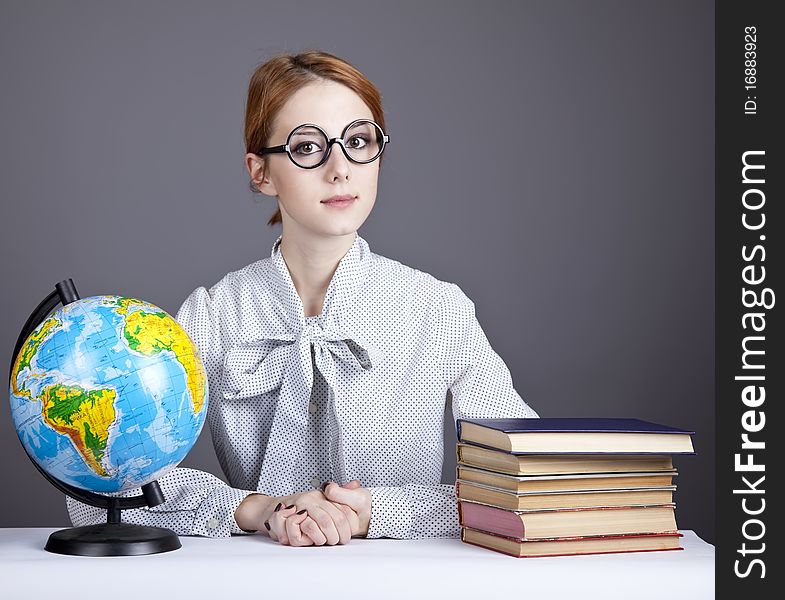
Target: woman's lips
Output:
[(339, 201)]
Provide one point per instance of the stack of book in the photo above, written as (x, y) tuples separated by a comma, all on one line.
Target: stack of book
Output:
[(550, 487)]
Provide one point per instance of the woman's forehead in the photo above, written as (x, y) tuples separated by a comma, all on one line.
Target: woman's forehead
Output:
[(330, 105)]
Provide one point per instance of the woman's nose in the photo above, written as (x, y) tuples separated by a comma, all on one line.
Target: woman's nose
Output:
[(337, 163)]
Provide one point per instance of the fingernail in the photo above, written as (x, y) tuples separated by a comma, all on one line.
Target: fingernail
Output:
[(266, 524), (277, 508), (290, 506), (302, 511), (324, 486)]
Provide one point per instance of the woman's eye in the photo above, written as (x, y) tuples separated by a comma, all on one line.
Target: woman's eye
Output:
[(357, 142), (307, 148)]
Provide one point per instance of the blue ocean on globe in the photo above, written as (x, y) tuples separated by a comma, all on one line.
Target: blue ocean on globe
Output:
[(108, 393)]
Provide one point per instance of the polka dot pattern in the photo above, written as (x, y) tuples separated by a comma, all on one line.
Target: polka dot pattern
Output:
[(357, 392)]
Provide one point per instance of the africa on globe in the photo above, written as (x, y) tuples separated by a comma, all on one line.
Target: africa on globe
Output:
[(108, 393)]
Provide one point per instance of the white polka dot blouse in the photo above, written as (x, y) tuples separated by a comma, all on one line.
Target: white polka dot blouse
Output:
[(357, 392)]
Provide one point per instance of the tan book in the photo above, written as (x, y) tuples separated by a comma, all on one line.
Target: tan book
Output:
[(576, 435), (563, 499), (566, 482), (574, 546), (547, 464), (534, 525)]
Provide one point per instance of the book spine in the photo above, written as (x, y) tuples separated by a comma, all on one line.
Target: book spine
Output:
[(581, 453), (463, 539), (573, 554)]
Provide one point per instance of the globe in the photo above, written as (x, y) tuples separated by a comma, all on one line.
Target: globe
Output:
[(108, 393)]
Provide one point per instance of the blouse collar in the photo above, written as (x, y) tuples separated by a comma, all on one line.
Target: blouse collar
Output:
[(351, 273)]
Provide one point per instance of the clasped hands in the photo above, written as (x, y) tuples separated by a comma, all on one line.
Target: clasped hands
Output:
[(317, 518)]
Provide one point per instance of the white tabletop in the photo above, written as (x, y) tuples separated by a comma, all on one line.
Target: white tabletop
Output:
[(257, 567)]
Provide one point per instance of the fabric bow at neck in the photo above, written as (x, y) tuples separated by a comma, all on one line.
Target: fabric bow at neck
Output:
[(284, 360), (261, 366)]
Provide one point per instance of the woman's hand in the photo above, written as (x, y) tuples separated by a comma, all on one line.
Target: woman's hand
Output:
[(301, 529), (311, 519)]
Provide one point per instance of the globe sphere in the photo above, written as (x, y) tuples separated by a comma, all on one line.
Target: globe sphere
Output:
[(108, 393)]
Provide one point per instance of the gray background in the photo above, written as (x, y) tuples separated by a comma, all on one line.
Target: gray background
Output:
[(554, 159)]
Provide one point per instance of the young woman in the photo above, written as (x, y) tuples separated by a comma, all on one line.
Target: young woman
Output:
[(328, 365)]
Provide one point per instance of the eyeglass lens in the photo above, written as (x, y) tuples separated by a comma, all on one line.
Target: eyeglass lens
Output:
[(363, 142)]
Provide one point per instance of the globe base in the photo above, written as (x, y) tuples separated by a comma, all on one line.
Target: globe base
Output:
[(112, 539)]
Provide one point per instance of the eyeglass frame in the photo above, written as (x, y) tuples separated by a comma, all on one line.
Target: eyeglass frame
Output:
[(339, 140)]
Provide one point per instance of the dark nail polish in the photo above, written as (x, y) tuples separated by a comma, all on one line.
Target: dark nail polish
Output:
[(301, 512), (266, 524), (324, 486), (290, 506), (277, 508)]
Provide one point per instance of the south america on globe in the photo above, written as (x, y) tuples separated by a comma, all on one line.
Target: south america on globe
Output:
[(108, 393)]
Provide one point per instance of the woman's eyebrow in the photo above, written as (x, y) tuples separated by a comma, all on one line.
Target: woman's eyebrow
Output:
[(347, 123), (307, 131)]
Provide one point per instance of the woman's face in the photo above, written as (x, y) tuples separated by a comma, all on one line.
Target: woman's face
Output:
[(301, 192)]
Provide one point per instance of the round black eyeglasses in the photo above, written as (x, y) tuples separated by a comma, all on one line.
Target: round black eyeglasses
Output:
[(308, 146)]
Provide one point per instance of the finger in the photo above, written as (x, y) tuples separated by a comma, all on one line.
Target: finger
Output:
[(278, 524), (351, 516), (341, 524), (349, 485), (323, 520), (350, 497), (311, 529), (293, 530)]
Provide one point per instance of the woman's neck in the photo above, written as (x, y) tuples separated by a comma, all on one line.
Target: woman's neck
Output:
[(312, 263)]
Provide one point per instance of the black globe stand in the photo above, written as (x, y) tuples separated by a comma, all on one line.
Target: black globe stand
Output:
[(113, 538)]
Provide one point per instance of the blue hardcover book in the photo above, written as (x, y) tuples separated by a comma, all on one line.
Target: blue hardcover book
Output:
[(575, 436)]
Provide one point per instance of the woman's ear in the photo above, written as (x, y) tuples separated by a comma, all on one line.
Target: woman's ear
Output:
[(257, 169)]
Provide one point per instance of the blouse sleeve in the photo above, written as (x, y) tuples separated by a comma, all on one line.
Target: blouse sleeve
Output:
[(481, 387), (413, 512), (197, 503), (480, 382)]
